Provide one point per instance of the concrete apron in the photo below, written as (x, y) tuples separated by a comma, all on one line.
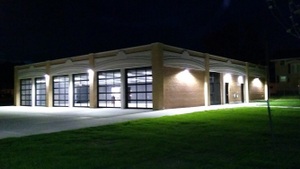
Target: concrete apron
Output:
[(24, 121)]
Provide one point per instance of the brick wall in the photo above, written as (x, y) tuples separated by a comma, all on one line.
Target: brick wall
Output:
[(256, 89), (235, 95), (183, 89)]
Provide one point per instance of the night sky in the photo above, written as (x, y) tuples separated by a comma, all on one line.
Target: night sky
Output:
[(39, 30)]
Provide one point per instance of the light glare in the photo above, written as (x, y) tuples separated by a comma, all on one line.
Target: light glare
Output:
[(240, 80), (227, 78), (186, 77), (90, 71), (257, 83), (46, 76)]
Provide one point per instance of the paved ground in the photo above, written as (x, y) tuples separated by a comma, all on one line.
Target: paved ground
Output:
[(23, 121)]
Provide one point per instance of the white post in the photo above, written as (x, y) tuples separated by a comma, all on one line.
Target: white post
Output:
[(206, 82), (247, 84), (70, 90)]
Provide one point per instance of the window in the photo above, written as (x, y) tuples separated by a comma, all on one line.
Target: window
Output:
[(40, 91), (211, 79), (61, 91), (282, 79), (81, 90), (109, 89), (26, 87), (139, 88), (295, 68)]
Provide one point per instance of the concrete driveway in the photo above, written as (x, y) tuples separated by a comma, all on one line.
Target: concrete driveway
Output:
[(23, 121)]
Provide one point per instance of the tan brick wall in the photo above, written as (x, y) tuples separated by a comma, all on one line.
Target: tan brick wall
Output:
[(293, 79), (256, 89), (235, 95), (183, 89)]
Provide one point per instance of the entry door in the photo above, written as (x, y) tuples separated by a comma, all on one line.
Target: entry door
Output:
[(226, 92), (242, 93), (215, 92)]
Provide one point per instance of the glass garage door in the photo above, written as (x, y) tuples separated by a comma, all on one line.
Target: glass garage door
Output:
[(139, 88), (81, 90), (26, 87), (61, 91), (40, 91), (109, 89)]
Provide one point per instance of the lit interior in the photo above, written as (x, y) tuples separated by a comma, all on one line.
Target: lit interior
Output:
[(116, 92)]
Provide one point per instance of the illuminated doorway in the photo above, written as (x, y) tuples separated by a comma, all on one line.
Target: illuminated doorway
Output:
[(109, 88), (26, 87), (40, 91), (81, 90), (139, 88), (61, 91)]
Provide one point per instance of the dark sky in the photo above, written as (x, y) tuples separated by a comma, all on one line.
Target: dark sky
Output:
[(39, 30)]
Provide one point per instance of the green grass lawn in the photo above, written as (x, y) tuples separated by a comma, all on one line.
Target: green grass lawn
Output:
[(293, 101), (223, 139)]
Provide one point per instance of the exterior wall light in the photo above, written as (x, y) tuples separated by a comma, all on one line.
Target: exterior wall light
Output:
[(256, 82), (186, 71), (90, 71), (227, 78), (91, 75), (186, 77), (46, 76), (240, 80)]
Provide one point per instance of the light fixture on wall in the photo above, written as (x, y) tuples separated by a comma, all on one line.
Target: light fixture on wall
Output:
[(90, 71), (240, 80), (227, 78), (186, 71), (91, 75), (185, 76), (256, 82), (46, 77)]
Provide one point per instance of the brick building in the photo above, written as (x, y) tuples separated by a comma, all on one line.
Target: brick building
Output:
[(155, 76), (287, 76)]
